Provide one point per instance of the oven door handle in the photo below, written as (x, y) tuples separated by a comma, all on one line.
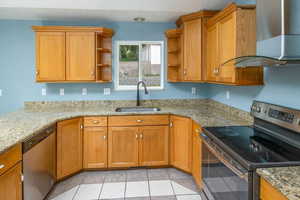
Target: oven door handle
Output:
[(239, 173)]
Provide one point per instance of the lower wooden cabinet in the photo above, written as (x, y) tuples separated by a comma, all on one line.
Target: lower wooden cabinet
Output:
[(267, 192), (123, 146), (154, 146), (95, 147), (181, 143), (196, 168), (11, 183), (69, 147)]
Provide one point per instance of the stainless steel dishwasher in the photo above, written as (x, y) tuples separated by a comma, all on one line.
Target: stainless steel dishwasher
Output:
[(39, 164)]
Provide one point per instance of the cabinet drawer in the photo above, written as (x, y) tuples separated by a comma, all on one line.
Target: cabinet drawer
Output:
[(10, 158), (138, 120), (95, 121)]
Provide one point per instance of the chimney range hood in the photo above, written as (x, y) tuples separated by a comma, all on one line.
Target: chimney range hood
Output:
[(278, 35)]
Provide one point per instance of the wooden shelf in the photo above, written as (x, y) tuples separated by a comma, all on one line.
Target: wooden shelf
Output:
[(173, 65), (174, 51), (103, 65), (104, 50)]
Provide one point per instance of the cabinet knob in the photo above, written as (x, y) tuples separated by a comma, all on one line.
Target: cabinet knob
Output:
[(141, 136), (136, 136), (184, 72), (95, 122), (2, 166), (104, 137), (139, 121), (197, 130), (37, 72), (92, 73), (171, 124)]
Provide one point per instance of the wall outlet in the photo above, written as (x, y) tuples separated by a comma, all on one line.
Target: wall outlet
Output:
[(44, 92), (227, 94), (0, 92), (106, 91), (84, 91), (61, 91), (193, 90)]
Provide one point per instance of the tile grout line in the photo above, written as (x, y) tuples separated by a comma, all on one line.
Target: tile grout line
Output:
[(148, 180), (125, 185), (102, 187)]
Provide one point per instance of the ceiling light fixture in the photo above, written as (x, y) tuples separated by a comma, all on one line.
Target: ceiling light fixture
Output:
[(139, 19)]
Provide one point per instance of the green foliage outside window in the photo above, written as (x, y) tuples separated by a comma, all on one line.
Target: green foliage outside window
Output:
[(129, 53)]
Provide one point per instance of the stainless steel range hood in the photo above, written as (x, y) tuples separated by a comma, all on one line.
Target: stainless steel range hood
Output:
[(278, 35)]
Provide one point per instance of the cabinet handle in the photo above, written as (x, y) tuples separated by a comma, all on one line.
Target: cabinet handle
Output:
[(2, 166), (104, 137), (139, 121), (95, 122), (141, 136), (37, 72), (81, 126), (136, 136), (171, 124)]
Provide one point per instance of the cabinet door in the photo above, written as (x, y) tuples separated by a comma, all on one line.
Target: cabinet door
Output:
[(69, 147), (181, 143), (212, 63), (154, 145), (95, 147), (227, 47), (196, 169), (80, 56), (50, 56), (11, 184), (192, 50), (123, 147)]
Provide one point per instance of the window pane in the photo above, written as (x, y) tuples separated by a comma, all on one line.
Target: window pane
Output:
[(151, 64), (128, 65)]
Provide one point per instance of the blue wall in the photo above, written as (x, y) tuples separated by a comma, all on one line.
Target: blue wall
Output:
[(17, 66)]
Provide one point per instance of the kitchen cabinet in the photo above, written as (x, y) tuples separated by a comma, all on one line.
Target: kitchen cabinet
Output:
[(10, 173), (181, 143), (123, 147), (95, 147), (138, 140), (267, 192), (211, 53), (186, 48), (69, 147), (231, 33), (154, 145), (80, 56), (50, 56), (196, 165), (73, 54), (11, 183)]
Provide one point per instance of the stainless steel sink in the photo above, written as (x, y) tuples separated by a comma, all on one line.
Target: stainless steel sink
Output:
[(137, 109)]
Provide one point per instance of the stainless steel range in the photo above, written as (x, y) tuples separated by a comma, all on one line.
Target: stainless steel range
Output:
[(232, 154)]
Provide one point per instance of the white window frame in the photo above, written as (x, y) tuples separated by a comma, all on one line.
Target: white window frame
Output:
[(139, 43)]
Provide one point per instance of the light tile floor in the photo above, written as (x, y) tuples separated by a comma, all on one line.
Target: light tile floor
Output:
[(135, 184)]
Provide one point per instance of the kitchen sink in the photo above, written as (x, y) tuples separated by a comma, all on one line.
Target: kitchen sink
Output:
[(137, 109)]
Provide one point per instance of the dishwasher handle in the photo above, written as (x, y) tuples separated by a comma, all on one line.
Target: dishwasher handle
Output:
[(40, 136)]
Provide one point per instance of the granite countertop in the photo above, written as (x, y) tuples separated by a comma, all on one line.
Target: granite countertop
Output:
[(284, 179), (19, 126)]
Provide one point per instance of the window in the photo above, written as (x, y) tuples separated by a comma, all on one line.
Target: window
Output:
[(139, 61)]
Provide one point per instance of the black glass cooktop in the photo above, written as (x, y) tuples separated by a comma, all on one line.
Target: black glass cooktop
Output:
[(254, 145)]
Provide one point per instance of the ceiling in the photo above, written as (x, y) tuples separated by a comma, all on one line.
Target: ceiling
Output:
[(107, 10)]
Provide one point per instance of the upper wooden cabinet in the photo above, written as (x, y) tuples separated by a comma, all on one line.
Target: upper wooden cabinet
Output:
[(181, 143), (69, 147), (185, 48), (232, 33), (73, 54), (80, 56), (50, 56)]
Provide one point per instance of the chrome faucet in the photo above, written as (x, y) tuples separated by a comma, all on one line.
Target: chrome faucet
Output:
[(138, 91)]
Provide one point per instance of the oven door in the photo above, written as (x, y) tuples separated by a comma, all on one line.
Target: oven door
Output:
[(223, 178)]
